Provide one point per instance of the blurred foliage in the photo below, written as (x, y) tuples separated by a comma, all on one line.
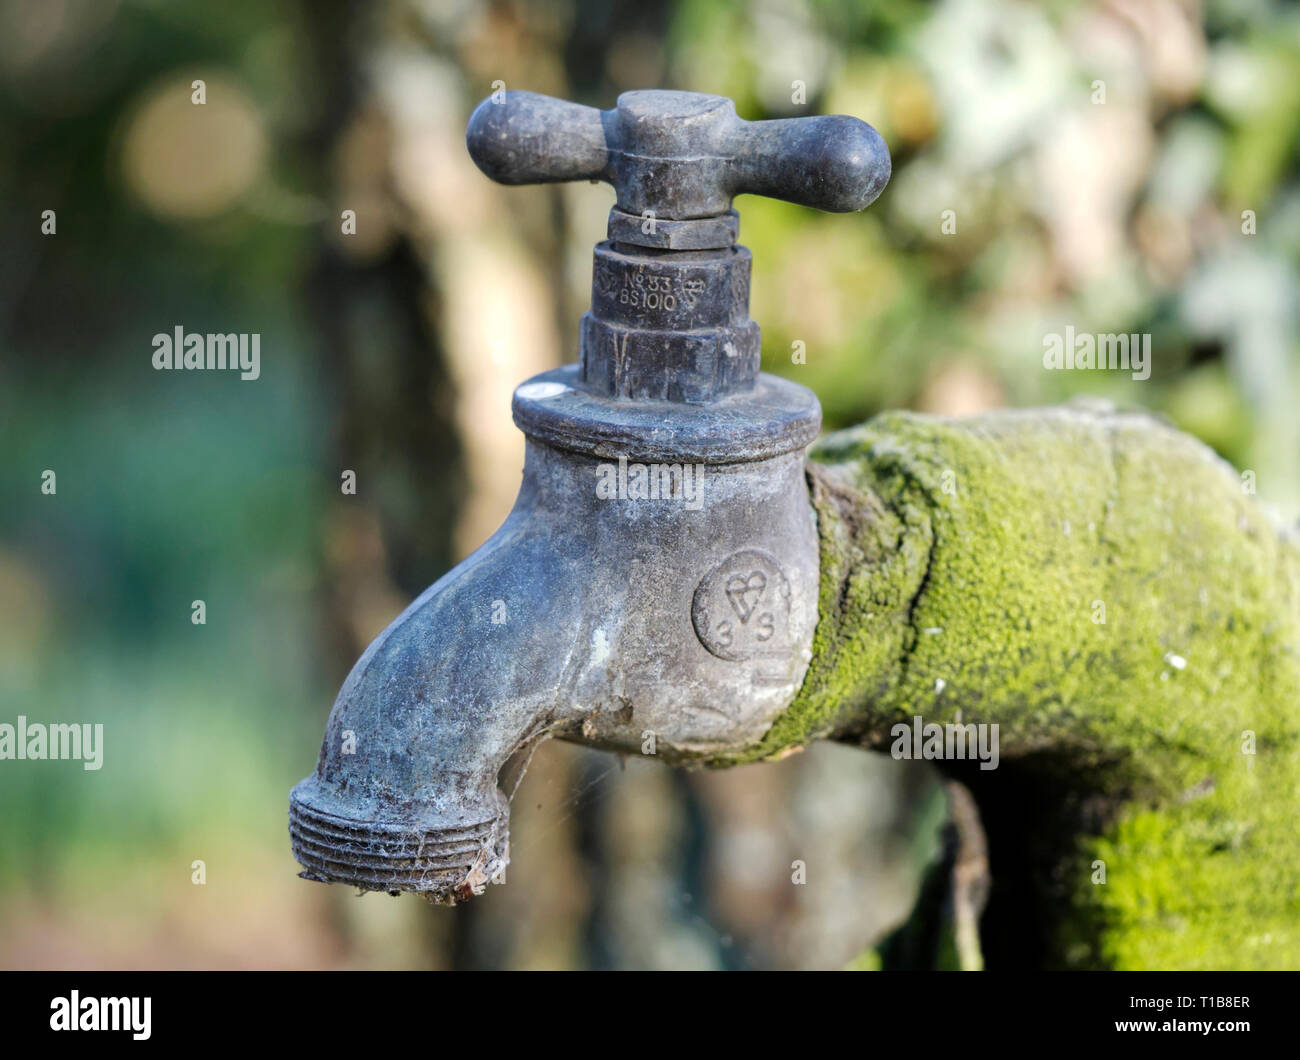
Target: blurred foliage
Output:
[(1117, 216)]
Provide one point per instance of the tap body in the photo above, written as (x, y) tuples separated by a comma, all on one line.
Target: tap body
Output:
[(652, 597)]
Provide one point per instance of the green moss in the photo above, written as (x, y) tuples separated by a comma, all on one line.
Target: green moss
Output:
[(1099, 586)]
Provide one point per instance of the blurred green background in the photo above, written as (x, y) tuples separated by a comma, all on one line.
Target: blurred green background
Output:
[(1098, 159)]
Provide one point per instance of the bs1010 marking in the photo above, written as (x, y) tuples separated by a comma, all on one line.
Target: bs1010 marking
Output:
[(640, 290), (741, 608), (646, 290)]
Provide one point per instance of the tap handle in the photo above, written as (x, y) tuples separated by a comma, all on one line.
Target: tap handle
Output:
[(527, 138), (679, 155)]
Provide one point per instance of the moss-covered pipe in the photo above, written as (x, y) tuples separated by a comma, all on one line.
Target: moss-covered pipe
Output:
[(1104, 589)]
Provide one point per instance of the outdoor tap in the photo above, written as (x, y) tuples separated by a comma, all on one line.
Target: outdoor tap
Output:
[(655, 588)]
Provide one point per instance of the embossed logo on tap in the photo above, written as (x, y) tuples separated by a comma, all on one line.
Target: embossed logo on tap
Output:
[(741, 608)]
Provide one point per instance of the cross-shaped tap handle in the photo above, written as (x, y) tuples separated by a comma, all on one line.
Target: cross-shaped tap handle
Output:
[(679, 156)]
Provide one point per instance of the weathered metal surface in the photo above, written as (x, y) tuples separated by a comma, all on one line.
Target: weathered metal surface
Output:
[(654, 589), (594, 643)]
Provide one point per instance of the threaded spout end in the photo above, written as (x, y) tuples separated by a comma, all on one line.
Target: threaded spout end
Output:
[(446, 865)]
